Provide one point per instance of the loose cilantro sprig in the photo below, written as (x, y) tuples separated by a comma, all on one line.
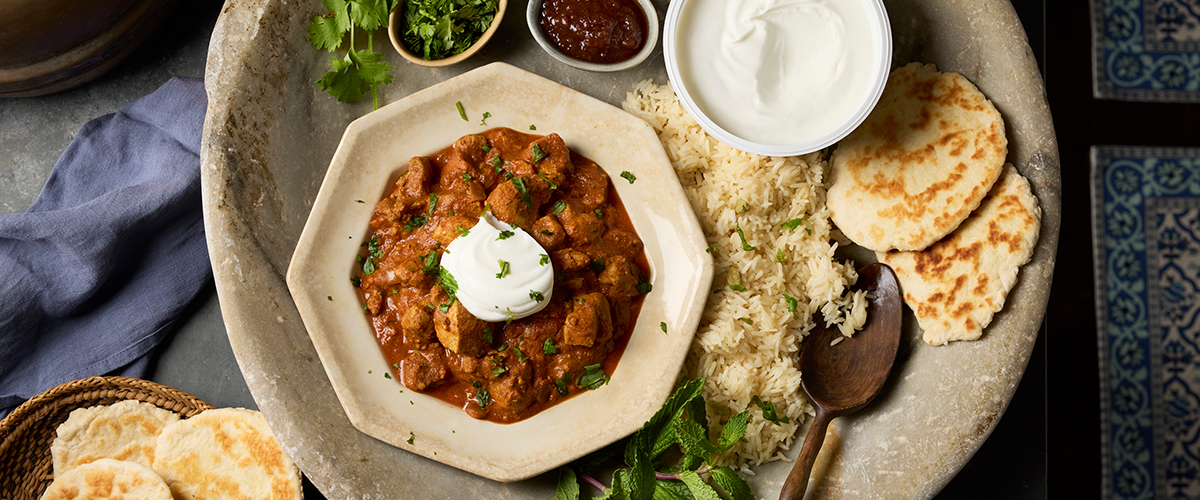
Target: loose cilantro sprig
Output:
[(359, 70), (681, 423)]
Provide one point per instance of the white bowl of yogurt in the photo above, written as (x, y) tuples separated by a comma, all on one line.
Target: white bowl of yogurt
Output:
[(778, 77)]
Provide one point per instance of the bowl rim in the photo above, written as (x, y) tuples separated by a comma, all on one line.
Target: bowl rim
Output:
[(394, 20), (670, 231), (534, 10), (877, 18)]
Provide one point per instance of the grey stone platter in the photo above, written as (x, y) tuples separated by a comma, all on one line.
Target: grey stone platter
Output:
[(268, 139)]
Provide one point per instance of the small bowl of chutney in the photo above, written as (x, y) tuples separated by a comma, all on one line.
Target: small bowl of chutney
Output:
[(595, 35)]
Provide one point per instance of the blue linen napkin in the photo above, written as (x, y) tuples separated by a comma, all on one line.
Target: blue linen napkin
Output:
[(93, 275)]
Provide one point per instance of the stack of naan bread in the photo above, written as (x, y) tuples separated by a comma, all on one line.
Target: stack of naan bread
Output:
[(135, 450), (923, 182)]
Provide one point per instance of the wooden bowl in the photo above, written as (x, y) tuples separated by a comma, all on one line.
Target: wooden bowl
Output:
[(397, 19), (54, 45)]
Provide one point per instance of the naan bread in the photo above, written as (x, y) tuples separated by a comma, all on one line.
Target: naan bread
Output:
[(920, 163), (955, 286), (126, 430), (225, 453), (108, 478)]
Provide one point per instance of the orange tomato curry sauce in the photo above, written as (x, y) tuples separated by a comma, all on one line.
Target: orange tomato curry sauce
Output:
[(505, 371)]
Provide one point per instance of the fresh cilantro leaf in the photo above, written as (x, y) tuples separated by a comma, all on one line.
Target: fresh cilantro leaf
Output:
[(536, 153), (548, 348), (415, 222), (369, 266), (447, 282), (437, 29), (548, 181), (326, 32), (793, 224), (792, 303), (593, 377), (597, 265), (486, 115), (429, 262), (627, 175), (745, 246)]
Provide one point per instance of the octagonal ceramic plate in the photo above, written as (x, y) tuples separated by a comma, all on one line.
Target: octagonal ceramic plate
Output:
[(375, 150)]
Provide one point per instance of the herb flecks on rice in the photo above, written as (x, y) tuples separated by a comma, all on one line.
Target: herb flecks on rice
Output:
[(749, 337)]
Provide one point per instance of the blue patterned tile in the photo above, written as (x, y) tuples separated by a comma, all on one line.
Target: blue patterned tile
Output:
[(1146, 210), (1146, 50)]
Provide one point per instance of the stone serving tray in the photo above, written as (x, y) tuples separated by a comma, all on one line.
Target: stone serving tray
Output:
[(270, 134)]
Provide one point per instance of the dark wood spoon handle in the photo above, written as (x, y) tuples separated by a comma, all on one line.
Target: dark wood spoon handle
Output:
[(797, 480)]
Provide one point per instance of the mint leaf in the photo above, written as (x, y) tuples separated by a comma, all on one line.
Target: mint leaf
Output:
[(734, 430), (694, 439), (700, 489), (641, 474), (671, 490), (733, 484), (568, 486)]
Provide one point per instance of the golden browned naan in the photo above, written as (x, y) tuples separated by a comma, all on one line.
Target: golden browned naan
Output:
[(920, 163), (955, 286), (126, 430), (108, 479), (225, 453)]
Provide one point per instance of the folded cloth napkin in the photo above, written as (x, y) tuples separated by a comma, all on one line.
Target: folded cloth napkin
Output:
[(112, 250)]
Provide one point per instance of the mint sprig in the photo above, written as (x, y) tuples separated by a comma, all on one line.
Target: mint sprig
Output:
[(681, 422)]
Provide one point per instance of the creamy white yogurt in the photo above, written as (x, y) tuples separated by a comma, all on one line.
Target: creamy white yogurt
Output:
[(776, 72), (488, 288)]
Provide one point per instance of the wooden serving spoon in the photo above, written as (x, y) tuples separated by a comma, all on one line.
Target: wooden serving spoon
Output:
[(843, 378)]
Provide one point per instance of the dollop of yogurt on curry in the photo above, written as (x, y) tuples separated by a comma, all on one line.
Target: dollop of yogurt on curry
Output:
[(501, 271)]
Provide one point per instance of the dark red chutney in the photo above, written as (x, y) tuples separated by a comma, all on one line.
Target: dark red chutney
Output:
[(596, 31)]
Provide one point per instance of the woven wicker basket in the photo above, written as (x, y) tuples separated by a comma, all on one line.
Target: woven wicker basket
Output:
[(26, 469)]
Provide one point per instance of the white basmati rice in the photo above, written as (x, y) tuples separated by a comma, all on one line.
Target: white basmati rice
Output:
[(748, 341)]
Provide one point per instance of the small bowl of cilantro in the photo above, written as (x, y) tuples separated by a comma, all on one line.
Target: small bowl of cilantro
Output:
[(437, 33)]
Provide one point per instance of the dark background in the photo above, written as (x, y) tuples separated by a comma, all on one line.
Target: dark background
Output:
[(1053, 423)]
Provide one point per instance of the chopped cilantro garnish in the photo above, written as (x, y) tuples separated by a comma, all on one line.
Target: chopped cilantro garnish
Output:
[(360, 201), (533, 127), (663, 325), (745, 246), (504, 235), (415, 222), (466, 176), (520, 355), (599, 213), (736, 288), (593, 377), (793, 224), (330, 297), (369, 266), (445, 308), (503, 268), (461, 112), (373, 247), (628, 176), (779, 255), (548, 347), (559, 206), (548, 181), (792, 303), (486, 115), (387, 375), (485, 147), (461, 231), (433, 201), (447, 282), (487, 334), (499, 370), (644, 288), (537, 154), (746, 320), (411, 436), (544, 259), (560, 385), (536, 296), (429, 262), (496, 163), (597, 265), (710, 249), (483, 397), (355, 281)]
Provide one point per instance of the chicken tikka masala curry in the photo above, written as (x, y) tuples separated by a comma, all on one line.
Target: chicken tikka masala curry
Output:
[(509, 370)]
